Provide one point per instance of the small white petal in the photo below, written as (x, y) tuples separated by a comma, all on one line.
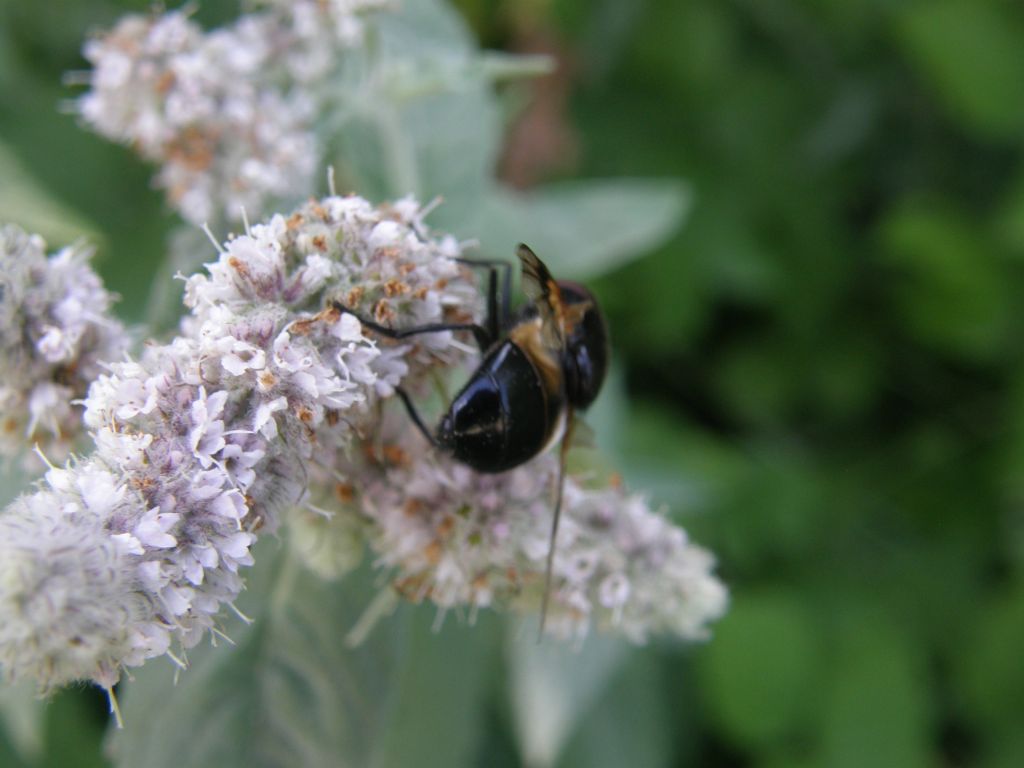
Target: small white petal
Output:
[(128, 544)]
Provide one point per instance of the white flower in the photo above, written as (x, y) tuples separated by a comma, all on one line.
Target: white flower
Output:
[(458, 538), (264, 421), (68, 594), (200, 443), (267, 401), (55, 332), (151, 530), (207, 433), (227, 114)]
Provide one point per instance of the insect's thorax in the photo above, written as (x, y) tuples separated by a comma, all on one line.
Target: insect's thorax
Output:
[(528, 336)]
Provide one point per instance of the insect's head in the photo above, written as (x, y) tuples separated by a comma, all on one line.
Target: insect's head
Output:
[(586, 345)]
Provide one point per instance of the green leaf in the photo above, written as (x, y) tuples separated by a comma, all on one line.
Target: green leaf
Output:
[(552, 687), (762, 670), (971, 51), (74, 725), (988, 670), (691, 46), (293, 693), (607, 417), (630, 724), (786, 759), (777, 509), (442, 683), (877, 705), (679, 463), (418, 113), (10, 757), (426, 28), (949, 285), (23, 201), (21, 711), (759, 362), (14, 480), (583, 229), (1009, 225), (1004, 751), (188, 248)]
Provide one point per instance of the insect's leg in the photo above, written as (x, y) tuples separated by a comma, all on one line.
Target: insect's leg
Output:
[(480, 334), (499, 308), (415, 416), (563, 454)]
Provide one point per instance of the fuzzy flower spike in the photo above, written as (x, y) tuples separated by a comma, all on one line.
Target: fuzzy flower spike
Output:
[(463, 541), (202, 443), (56, 329), (228, 114)]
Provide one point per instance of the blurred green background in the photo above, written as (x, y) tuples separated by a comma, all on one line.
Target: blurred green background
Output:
[(821, 372)]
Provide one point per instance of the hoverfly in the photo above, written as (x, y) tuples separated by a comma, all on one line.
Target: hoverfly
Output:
[(539, 367)]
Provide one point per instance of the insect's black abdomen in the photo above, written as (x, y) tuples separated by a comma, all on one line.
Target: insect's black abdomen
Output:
[(502, 417)]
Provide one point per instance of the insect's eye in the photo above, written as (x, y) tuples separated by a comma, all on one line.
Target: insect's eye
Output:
[(586, 348)]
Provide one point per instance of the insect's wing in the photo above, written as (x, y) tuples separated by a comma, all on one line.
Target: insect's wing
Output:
[(543, 291)]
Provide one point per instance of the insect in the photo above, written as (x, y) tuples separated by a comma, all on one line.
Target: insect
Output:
[(539, 367)]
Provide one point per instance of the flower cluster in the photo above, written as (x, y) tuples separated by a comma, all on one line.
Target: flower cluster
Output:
[(227, 114), (462, 539), (55, 330), (266, 401), (202, 443)]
